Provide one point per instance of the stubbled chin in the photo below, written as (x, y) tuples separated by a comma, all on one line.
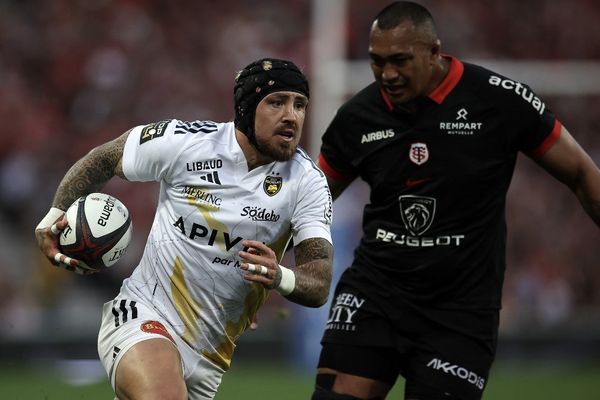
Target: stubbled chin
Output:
[(283, 152), (289, 150)]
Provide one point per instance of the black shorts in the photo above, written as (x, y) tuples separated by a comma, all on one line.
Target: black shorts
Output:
[(362, 339)]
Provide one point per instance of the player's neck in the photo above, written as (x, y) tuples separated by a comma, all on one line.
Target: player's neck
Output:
[(440, 71), (254, 158)]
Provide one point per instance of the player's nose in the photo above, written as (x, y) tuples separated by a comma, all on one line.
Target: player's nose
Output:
[(290, 112), (389, 72)]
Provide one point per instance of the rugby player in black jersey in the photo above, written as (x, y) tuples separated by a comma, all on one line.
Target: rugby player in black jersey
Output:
[(436, 140)]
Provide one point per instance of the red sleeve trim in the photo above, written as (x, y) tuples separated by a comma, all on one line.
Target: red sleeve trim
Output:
[(455, 72), (329, 171), (548, 142)]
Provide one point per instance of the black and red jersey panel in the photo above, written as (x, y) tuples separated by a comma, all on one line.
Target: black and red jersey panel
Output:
[(434, 228)]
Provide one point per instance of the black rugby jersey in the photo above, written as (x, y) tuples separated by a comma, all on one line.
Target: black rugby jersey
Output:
[(434, 229)]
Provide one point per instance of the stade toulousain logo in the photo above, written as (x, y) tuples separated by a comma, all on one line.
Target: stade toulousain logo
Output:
[(418, 153), (417, 213)]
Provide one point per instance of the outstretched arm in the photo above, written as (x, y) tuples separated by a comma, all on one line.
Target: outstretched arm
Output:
[(87, 175), (306, 284), (91, 172), (570, 164)]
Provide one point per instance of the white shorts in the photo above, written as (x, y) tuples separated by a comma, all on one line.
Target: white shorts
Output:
[(126, 322)]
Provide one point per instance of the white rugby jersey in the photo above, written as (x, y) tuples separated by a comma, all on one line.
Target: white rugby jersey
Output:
[(209, 202)]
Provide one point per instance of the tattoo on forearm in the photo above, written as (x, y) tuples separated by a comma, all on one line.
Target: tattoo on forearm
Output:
[(91, 172), (313, 272)]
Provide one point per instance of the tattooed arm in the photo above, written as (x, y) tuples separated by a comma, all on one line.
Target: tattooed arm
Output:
[(314, 258), (312, 274), (91, 172), (87, 175)]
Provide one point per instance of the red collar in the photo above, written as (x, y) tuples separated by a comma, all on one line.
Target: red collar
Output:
[(455, 72)]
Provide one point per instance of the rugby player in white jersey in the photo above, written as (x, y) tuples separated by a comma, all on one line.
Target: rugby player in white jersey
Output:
[(232, 196)]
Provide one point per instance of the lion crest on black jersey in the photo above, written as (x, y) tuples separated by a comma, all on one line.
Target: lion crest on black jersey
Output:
[(417, 213)]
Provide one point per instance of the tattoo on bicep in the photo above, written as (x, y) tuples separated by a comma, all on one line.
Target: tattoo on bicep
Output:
[(91, 172)]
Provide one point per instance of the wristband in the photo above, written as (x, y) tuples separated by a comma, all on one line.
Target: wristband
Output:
[(50, 218), (288, 281)]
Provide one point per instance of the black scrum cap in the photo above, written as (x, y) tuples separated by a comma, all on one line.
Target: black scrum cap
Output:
[(259, 79)]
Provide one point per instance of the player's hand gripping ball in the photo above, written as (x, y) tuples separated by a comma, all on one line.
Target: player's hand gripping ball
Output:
[(99, 230)]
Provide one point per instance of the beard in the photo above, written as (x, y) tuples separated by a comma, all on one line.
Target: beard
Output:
[(276, 152)]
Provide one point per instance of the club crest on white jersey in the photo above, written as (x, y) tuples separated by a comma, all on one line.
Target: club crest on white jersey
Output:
[(272, 185)]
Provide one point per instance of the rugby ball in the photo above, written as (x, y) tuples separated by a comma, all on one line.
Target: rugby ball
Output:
[(98, 232)]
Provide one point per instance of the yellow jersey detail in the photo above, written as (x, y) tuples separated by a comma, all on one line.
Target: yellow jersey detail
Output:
[(234, 329), (187, 308)]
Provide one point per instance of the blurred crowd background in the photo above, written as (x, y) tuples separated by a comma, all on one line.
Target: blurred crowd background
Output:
[(76, 73)]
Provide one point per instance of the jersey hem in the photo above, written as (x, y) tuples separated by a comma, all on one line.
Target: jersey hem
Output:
[(127, 158), (313, 232)]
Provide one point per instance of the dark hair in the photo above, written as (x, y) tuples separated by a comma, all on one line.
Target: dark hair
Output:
[(399, 11)]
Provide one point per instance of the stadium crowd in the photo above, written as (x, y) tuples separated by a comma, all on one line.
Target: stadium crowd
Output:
[(75, 73)]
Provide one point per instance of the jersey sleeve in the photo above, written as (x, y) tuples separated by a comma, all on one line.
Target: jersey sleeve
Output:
[(546, 142), (539, 127), (313, 213), (150, 151), (336, 155)]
